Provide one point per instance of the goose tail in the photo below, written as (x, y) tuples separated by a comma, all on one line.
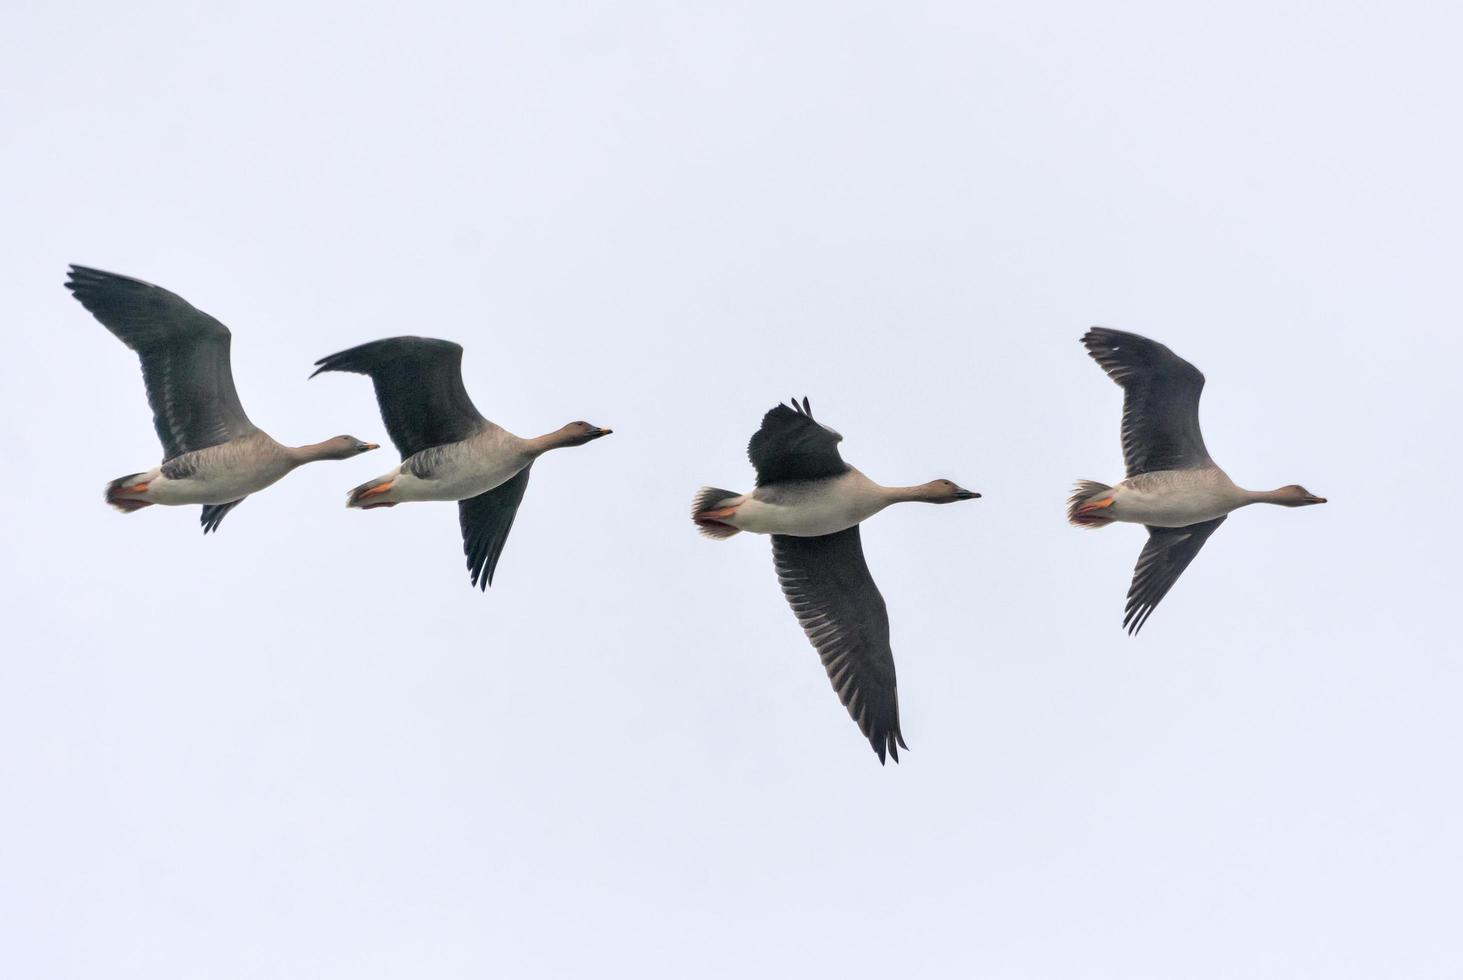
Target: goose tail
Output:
[(1090, 504), (124, 493), (371, 493), (709, 508)]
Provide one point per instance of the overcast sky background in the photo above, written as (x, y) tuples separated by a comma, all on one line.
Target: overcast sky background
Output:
[(307, 748)]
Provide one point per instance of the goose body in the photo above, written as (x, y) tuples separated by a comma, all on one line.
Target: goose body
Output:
[(212, 454), (456, 471), (808, 508), (449, 451), (219, 474), (1176, 498), (1172, 486), (811, 502)]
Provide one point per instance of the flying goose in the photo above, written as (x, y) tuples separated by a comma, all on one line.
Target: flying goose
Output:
[(812, 503), (448, 450), (212, 454), (1172, 485)]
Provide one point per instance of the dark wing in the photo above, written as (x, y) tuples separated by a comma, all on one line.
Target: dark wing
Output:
[(791, 446), (214, 514), (828, 585), (418, 386), (184, 354), (1163, 559), (1160, 401), (486, 520)]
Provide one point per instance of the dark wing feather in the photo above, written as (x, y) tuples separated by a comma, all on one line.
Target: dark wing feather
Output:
[(828, 585), (214, 514), (791, 446), (419, 387), (486, 520), (1163, 559), (1160, 401), (184, 354)]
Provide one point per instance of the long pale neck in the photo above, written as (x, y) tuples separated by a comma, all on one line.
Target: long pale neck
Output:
[(300, 455), (1264, 496), (539, 445), (899, 495)]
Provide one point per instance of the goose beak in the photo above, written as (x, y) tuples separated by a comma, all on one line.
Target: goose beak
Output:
[(597, 433), (370, 446), (966, 495), (1315, 500)]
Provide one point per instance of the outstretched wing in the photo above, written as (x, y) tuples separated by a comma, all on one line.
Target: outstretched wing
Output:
[(828, 585), (486, 520), (419, 387), (1163, 559), (791, 446), (184, 354), (1160, 401), (214, 514)]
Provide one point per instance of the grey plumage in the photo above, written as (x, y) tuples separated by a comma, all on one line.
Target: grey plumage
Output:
[(1163, 559), (828, 585), (184, 354), (1160, 401), (418, 382), (790, 445), (486, 520), (214, 514)]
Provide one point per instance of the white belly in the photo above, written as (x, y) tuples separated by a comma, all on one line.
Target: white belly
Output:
[(1171, 506), (809, 510), (215, 487), (453, 486)]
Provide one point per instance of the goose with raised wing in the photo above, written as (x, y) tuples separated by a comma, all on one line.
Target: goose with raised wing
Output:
[(812, 503), (1172, 486), (449, 451), (212, 454)]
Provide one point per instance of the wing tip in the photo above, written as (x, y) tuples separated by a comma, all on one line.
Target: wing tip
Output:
[(888, 741), (367, 358)]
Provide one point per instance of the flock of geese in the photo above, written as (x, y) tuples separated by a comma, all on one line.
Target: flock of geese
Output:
[(807, 498)]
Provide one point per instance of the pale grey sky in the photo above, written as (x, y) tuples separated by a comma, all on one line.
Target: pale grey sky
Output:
[(306, 748)]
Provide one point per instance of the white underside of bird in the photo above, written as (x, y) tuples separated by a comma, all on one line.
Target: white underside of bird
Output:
[(221, 487), (1175, 498), (457, 471), (808, 508)]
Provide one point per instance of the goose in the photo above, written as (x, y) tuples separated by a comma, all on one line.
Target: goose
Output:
[(449, 451), (1172, 485), (212, 454), (812, 503)]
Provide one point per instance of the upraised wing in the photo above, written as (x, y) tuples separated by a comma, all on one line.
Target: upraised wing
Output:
[(419, 387), (1160, 401), (184, 354), (790, 445)]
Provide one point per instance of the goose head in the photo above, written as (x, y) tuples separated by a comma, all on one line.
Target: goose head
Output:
[(944, 492), (578, 433), (1296, 495), (344, 447)]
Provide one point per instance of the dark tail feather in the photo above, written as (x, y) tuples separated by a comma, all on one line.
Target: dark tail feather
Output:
[(707, 501), (1088, 492), (125, 504)]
